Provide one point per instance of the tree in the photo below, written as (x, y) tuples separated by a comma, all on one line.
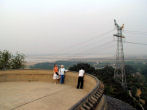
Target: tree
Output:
[(144, 70), (9, 61), (87, 67), (17, 61), (5, 60), (129, 69)]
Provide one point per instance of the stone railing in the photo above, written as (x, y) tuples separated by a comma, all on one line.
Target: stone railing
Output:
[(92, 99), (92, 85)]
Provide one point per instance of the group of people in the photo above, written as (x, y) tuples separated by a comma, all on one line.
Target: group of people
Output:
[(59, 75)]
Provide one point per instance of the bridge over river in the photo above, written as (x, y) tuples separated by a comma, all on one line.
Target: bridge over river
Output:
[(36, 90)]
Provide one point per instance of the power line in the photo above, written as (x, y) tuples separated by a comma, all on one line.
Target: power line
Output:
[(95, 37), (128, 35), (86, 42), (100, 41), (98, 47), (138, 43), (136, 32)]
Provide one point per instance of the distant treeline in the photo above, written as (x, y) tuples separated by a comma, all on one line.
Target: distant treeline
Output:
[(137, 66), (132, 66), (47, 65)]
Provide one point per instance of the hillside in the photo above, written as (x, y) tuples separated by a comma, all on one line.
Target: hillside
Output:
[(136, 85)]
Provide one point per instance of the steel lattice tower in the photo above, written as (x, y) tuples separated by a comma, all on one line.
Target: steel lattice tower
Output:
[(119, 73)]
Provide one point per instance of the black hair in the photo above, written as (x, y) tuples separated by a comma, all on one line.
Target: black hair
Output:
[(55, 65), (82, 67)]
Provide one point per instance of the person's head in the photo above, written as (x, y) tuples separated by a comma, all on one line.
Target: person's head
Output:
[(82, 68), (55, 65), (62, 66)]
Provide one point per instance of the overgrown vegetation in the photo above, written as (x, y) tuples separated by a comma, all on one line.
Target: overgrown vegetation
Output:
[(136, 82), (87, 67), (10, 61)]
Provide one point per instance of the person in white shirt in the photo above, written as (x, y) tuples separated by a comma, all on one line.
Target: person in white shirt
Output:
[(62, 73), (81, 78)]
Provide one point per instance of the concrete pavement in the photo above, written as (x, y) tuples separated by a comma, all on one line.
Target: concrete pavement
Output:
[(38, 96)]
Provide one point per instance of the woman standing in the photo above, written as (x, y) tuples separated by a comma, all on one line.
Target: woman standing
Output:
[(56, 74), (62, 73)]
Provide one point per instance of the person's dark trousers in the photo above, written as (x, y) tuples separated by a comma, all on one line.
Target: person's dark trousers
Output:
[(62, 79), (80, 83)]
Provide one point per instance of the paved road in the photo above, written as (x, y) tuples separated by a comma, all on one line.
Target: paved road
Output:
[(38, 96)]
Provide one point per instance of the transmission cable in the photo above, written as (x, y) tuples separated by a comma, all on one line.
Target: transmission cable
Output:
[(138, 43), (136, 32), (100, 46), (88, 41)]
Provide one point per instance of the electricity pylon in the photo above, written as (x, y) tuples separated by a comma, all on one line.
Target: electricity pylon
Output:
[(119, 73)]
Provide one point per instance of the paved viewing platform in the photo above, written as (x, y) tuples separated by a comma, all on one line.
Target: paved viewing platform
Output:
[(38, 96), (36, 90)]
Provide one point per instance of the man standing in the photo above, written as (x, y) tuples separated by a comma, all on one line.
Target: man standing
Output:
[(81, 78), (62, 73)]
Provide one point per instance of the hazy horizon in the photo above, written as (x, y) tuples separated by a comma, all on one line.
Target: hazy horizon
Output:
[(36, 27)]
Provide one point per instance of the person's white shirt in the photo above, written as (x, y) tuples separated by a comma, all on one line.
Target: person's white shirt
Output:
[(62, 71), (81, 73)]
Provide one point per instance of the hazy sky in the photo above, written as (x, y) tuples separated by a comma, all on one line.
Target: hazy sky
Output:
[(71, 26)]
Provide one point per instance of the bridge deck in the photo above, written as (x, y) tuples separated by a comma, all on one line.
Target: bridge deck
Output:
[(38, 96)]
